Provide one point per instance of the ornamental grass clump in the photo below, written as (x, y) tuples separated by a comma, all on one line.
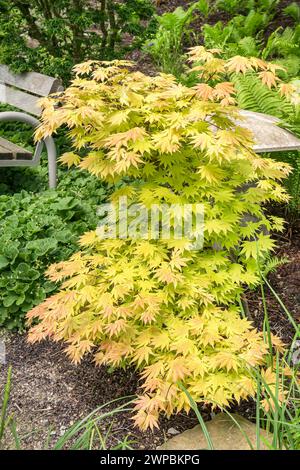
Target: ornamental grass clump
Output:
[(157, 305)]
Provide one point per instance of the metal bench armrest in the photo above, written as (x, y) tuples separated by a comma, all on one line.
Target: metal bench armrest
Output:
[(6, 116)]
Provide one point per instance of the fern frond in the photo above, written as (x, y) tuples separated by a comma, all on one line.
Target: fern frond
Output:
[(282, 43), (293, 10), (271, 263), (248, 46), (254, 96)]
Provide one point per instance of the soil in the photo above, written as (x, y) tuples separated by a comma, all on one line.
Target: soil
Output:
[(285, 281), (280, 20), (49, 394)]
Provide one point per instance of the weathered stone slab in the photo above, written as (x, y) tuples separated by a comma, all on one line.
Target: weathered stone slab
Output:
[(224, 433), (268, 136), (34, 82)]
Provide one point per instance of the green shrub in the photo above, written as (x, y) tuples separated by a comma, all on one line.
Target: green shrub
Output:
[(37, 229), (49, 37)]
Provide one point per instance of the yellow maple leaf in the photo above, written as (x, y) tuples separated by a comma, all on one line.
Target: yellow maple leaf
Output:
[(268, 78), (116, 327), (142, 355), (211, 173), (204, 140), (204, 91), (225, 360), (239, 64), (70, 159), (286, 89), (89, 238), (145, 420), (178, 369), (161, 340)]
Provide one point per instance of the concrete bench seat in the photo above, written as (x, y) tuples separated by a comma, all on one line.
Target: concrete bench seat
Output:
[(11, 151)]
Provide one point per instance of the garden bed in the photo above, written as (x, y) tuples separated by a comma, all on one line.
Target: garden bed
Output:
[(49, 393), (286, 283)]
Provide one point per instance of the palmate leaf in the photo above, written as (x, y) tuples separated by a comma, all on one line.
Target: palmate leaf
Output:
[(218, 226), (252, 249), (70, 159)]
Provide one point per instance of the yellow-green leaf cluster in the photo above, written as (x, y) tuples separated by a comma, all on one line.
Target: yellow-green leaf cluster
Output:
[(156, 304)]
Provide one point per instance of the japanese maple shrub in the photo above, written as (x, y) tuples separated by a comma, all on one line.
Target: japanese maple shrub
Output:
[(155, 304)]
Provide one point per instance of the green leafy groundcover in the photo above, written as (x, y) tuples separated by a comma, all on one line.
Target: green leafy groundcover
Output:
[(37, 229)]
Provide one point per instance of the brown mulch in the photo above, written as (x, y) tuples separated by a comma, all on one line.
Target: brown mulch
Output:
[(280, 20), (49, 394), (285, 281)]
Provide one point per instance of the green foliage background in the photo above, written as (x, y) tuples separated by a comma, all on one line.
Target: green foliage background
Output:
[(51, 36), (37, 229)]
